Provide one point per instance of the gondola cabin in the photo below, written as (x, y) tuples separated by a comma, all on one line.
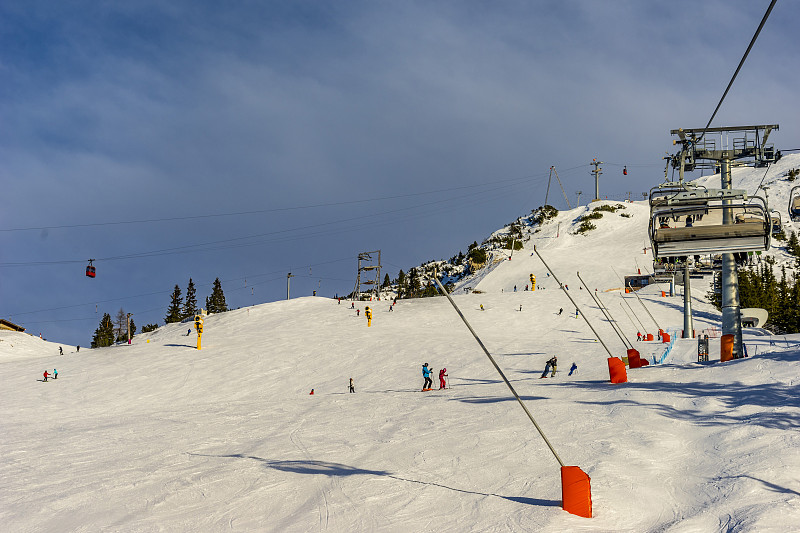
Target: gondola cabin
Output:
[(90, 270), (695, 221)]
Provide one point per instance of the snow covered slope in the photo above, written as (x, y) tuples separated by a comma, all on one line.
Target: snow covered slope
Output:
[(158, 436)]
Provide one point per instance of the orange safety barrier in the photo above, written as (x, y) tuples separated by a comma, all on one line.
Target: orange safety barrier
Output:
[(643, 362), (634, 360), (576, 491), (726, 347), (663, 294), (616, 370), (665, 337), (649, 337)]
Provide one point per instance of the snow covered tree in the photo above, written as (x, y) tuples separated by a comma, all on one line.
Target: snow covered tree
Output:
[(174, 312), (104, 334), (190, 305), (216, 302)]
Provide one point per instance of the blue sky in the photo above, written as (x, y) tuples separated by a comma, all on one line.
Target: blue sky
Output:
[(324, 129)]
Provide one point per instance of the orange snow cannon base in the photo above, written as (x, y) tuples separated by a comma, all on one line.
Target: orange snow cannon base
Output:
[(576, 491), (616, 370), (726, 347)]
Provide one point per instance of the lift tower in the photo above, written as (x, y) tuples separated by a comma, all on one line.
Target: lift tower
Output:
[(712, 147), (366, 266), (597, 171)]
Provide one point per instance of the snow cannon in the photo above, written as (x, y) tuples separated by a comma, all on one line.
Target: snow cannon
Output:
[(726, 347), (576, 491), (616, 370)]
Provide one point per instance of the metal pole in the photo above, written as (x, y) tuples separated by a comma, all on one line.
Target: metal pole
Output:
[(633, 313), (602, 310), (687, 302), (616, 324), (289, 276), (502, 375), (565, 291), (627, 315), (729, 279), (637, 297)]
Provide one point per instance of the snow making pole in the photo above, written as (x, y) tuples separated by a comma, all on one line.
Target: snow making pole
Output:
[(604, 311), (596, 336), (576, 492), (632, 312), (637, 297)]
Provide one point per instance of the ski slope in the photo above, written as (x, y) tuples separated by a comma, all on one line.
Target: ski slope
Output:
[(158, 436)]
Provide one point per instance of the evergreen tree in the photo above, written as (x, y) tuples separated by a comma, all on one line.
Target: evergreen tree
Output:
[(402, 284), (216, 302), (190, 305), (414, 283), (386, 281), (104, 334), (147, 328), (175, 311), (133, 328)]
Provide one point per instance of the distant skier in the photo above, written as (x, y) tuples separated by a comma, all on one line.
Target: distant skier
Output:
[(358, 312), (426, 373), (55, 374), (442, 375), (515, 288), (45, 375), (60, 350), (573, 368), (638, 336), (188, 332), (560, 310), (577, 312), (79, 348), (352, 387), (520, 307), (546, 369), (352, 305), (482, 307)]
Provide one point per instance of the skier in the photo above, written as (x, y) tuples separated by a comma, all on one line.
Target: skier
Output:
[(546, 369), (45, 375), (188, 332), (577, 312), (573, 368), (352, 387), (391, 308), (442, 375), (515, 288), (352, 305), (560, 310), (638, 336), (60, 350), (520, 307), (79, 348), (358, 312), (55, 374), (481, 307), (426, 373), (554, 363)]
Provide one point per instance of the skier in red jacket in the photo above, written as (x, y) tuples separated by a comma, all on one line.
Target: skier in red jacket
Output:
[(442, 375)]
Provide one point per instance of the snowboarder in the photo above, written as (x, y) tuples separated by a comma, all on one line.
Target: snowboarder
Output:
[(442, 382), (553, 363), (426, 373), (79, 348), (60, 350), (352, 387), (560, 310), (482, 307), (45, 375), (55, 374), (573, 368), (546, 369)]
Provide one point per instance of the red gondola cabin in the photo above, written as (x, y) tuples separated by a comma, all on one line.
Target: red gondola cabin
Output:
[(90, 271)]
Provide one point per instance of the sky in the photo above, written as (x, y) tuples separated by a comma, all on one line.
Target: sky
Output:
[(247, 140)]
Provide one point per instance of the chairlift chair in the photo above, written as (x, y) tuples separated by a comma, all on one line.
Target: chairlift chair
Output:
[(794, 204), (777, 224), (687, 220)]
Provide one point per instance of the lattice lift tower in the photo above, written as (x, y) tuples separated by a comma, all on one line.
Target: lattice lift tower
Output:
[(366, 266)]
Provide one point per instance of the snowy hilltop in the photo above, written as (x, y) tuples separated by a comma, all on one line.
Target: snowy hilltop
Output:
[(158, 436)]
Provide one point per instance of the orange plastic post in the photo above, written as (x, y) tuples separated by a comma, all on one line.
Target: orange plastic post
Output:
[(616, 370), (726, 347), (576, 491), (649, 336), (665, 337)]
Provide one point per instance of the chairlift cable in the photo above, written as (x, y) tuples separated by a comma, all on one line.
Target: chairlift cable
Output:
[(738, 68)]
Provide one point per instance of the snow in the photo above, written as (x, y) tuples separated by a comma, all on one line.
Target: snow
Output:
[(158, 436)]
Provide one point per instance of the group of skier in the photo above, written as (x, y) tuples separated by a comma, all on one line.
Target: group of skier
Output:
[(54, 374), (428, 383)]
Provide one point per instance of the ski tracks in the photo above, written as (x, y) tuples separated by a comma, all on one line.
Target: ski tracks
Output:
[(324, 510)]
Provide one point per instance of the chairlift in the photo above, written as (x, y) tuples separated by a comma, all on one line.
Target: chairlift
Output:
[(794, 204), (90, 270), (777, 225), (687, 220), (625, 170)]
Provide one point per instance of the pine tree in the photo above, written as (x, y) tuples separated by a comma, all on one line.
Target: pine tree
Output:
[(402, 281), (104, 334), (190, 305), (174, 312), (216, 302), (386, 281), (133, 328)]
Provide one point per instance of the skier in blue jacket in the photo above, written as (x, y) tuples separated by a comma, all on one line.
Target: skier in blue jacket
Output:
[(426, 373)]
